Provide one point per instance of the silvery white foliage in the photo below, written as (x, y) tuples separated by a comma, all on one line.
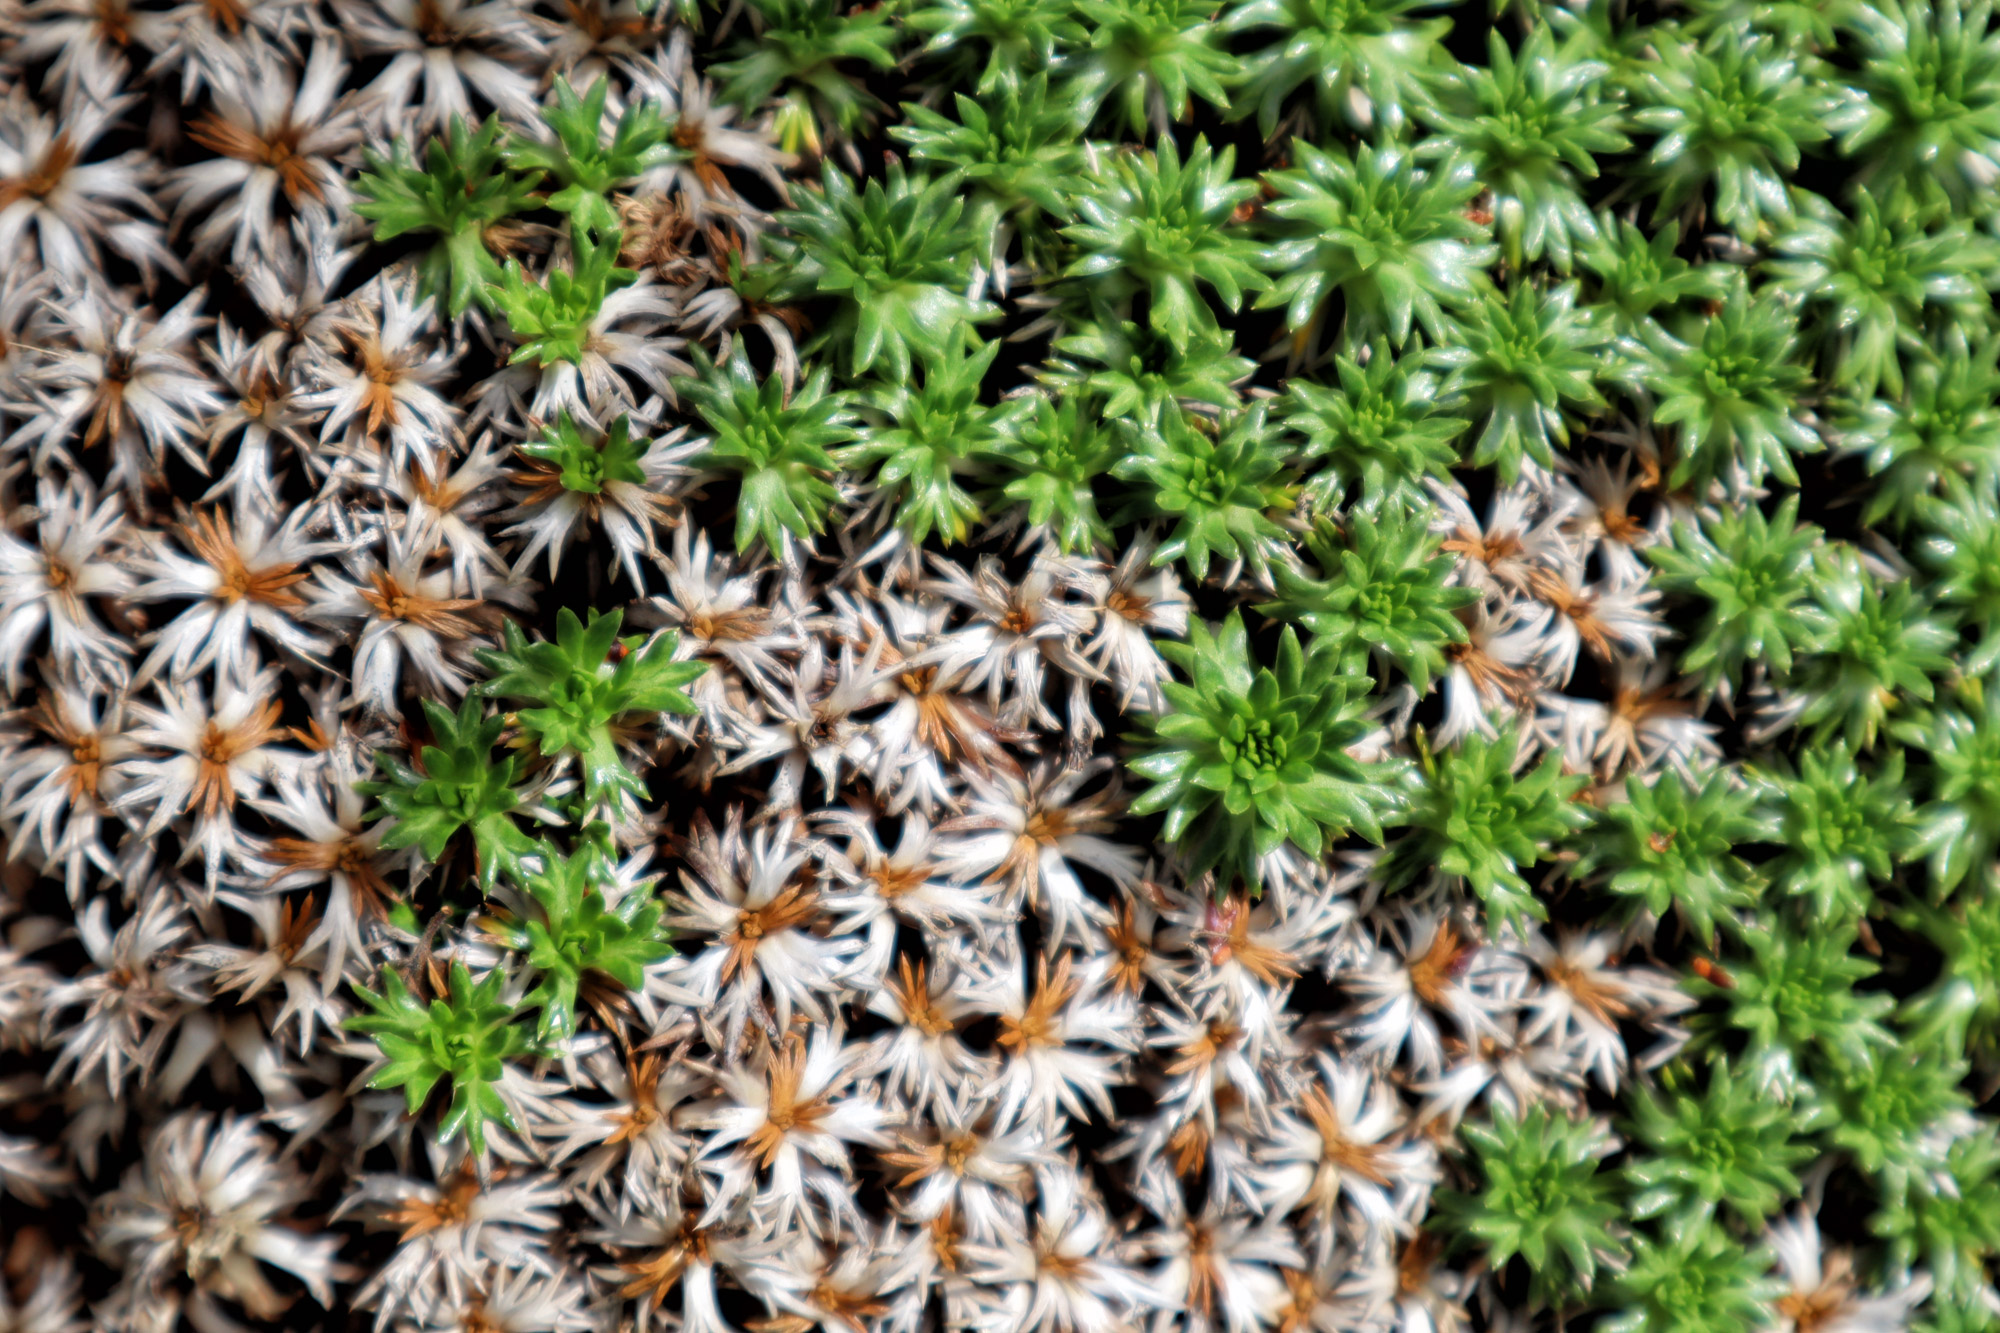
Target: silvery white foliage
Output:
[(945, 1043)]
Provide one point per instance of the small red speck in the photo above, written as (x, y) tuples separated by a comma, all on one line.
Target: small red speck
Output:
[(1218, 920)]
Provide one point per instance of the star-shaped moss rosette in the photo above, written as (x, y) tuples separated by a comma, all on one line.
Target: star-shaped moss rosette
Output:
[(582, 696), (461, 784), (580, 942), (462, 193), (1252, 758), (461, 1040)]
